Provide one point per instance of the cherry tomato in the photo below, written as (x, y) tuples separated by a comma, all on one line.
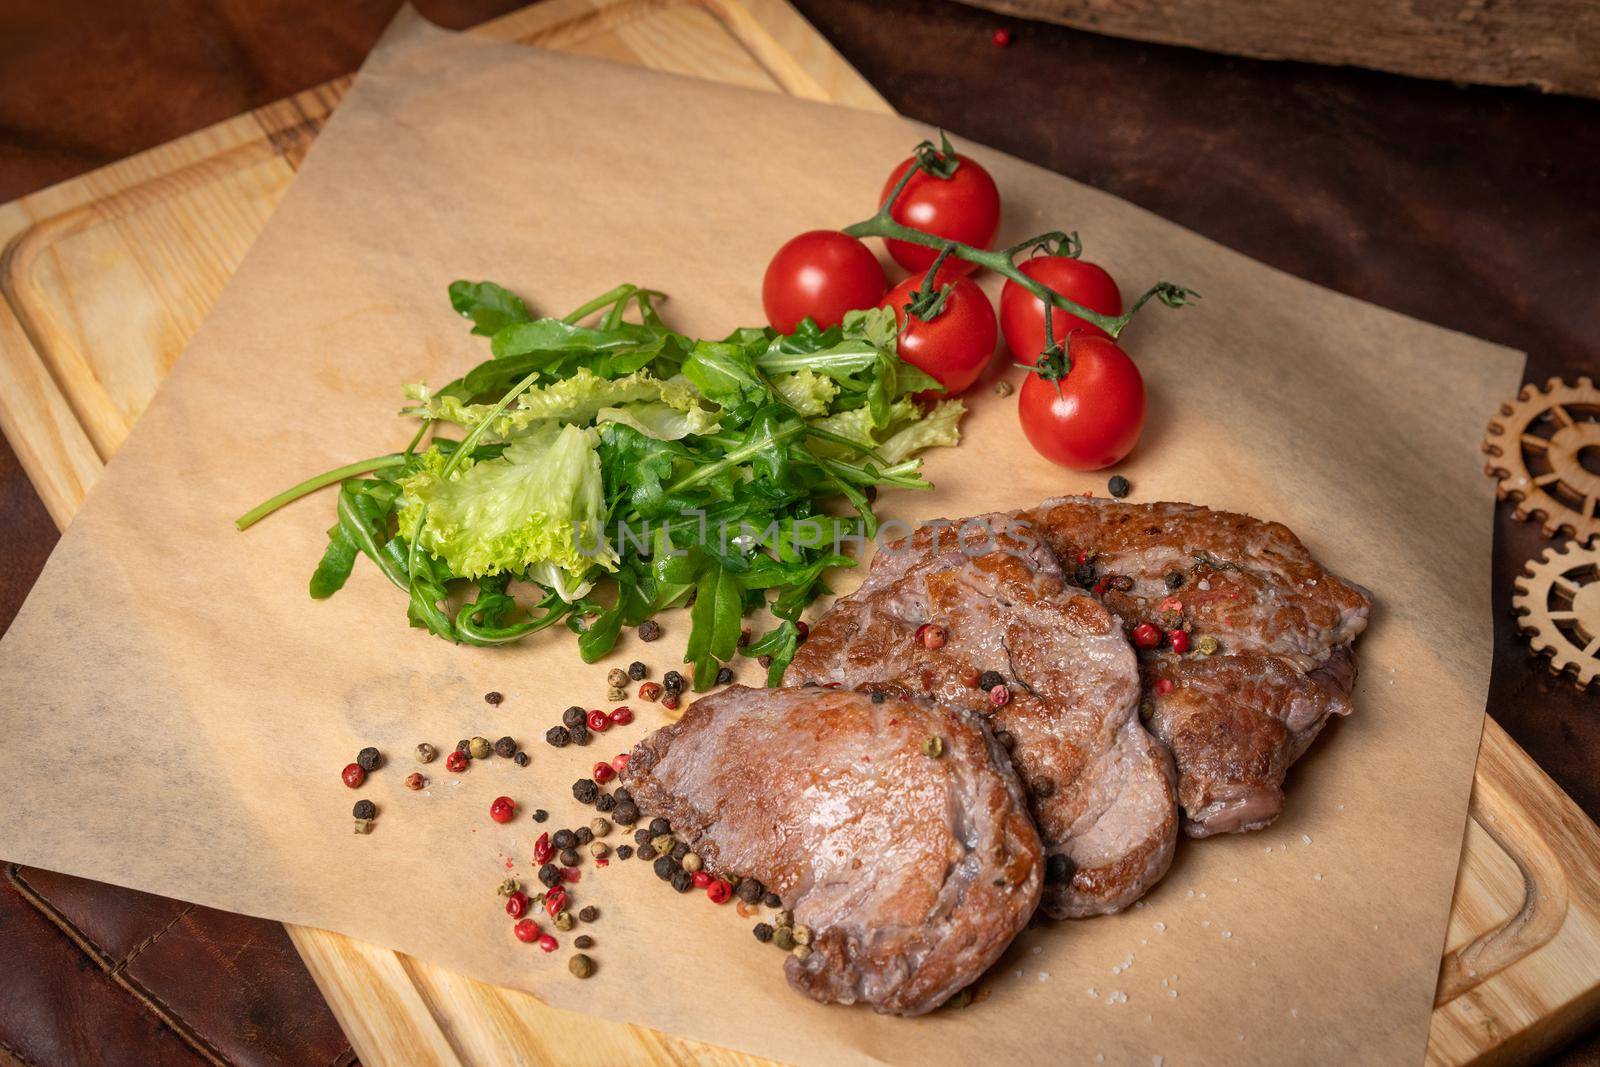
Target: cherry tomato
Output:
[(1022, 313), (1094, 421), (821, 274), (955, 345), (964, 207)]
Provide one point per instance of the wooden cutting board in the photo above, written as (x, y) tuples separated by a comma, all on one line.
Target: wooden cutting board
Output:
[(105, 278)]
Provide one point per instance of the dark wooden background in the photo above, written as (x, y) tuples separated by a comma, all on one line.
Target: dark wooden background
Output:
[(1478, 209)]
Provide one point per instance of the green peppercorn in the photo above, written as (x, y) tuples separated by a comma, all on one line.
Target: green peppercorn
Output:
[(933, 746), (783, 937), (589, 914), (662, 842), (691, 862), (784, 918), (599, 850), (580, 965), (801, 952), (479, 748), (564, 921), (599, 828), (802, 934), (615, 693), (763, 932), (1207, 645), (507, 887), (426, 753)]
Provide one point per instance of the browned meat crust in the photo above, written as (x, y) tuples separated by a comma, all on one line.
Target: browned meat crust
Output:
[(915, 871), (1235, 720), (1100, 787)]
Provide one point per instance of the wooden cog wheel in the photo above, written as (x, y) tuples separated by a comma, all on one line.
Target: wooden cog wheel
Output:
[(1558, 604), (1536, 444)]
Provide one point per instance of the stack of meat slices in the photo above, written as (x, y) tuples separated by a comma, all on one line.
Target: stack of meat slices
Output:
[(982, 682)]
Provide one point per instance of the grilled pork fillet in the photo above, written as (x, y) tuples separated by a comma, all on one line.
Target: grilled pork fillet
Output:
[(1100, 787), (914, 870), (1237, 719)]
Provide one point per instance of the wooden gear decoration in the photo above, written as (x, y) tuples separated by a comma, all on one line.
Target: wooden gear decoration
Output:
[(1536, 443), (1558, 605)]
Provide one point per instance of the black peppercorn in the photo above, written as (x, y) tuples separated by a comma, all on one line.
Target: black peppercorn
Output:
[(365, 809), (765, 661), (659, 826), (682, 881), (879, 696), (750, 891), (563, 839), (584, 835), (1007, 742), (647, 852), (624, 852), (725, 676), (672, 682), (1083, 575), (679, 851), (550, 875), (520, 759), (1057, 869), (574, 715), (464, 747), (772, 900), (583, 941), (368, 759), (505, 747), (664, 867), (649, 630), (568, 857), (637, 670), (626, 813), (1118, 486), (1174, 579), (589, 914), (584, 791), (622, 794), (540, 815), (605, 802), (642, 836), (558, 737), (989, 679), (493, 699), (579, 733), (763, 932)]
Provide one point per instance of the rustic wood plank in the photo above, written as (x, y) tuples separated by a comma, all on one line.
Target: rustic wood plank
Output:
[(1553, 45)]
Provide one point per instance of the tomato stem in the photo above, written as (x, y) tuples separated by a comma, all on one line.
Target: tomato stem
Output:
[(1054, 242)]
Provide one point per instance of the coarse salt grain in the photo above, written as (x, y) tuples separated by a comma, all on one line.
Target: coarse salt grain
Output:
[(1227, 933), (1305, 839), (1093, 992), (1161, 928), (1044, 976), (1117, 996), (1317, 877), (1173, 993)]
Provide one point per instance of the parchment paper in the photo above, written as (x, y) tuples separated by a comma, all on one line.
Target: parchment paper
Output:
[(175, 711)]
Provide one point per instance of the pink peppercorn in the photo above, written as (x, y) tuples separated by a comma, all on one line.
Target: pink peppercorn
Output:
[(1145, 635), (619, 762), (805, 631), (526, 930), (621, 716), (602, 773), (516, 904), (599, 722), (931, 636), (1163, 686), (502, 809), (353, 776), (670, 701), (1000, 696), (541, 848), (554, 901), (700, 879), (1001, 38), (548, 943), (719, 891), (650, 691), (456, 761), (1179, 640)]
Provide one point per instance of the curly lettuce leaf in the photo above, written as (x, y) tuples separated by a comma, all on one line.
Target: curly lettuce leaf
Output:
[(806, 391), (538, 510), (639, 399)]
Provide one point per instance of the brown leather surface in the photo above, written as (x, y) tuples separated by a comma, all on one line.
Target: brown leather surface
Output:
[(1472, 208)]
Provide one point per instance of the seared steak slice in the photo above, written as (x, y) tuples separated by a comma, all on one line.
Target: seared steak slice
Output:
[(1236, 719), (1100, 787), (914, 868)]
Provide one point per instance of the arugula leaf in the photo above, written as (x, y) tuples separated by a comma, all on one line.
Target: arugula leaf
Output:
[(491, 307), (337, 561)]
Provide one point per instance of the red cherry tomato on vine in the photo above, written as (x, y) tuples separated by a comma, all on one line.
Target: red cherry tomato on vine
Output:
[(821, 274), (1095, 419), (955, 345), (1022, 313), (964, 207)]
